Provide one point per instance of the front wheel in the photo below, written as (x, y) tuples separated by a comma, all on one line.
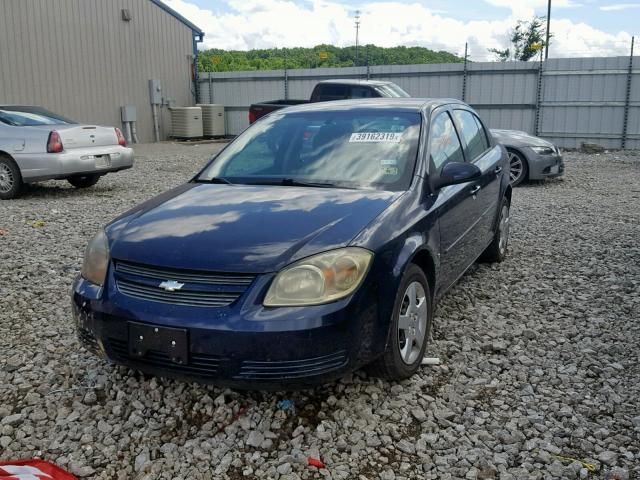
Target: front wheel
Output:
[(84, 181), (497, 250), (410, 328)]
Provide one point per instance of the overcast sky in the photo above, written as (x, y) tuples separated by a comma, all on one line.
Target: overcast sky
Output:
[(580, 27)]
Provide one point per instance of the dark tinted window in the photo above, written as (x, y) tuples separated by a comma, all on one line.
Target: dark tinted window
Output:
[(362, 92), (330, 91), (474, 136), (361, 149), (444, 145), (24, 116)]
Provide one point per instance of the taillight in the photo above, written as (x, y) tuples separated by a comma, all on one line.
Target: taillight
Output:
[(54, 144), (121, 140), (252, 116)]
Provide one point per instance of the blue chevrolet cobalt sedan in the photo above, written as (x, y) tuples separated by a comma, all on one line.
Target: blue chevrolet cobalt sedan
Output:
[(317, 242)]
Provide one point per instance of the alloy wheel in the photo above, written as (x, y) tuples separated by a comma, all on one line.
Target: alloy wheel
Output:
[(6, 178), (412, 323), (516, 167), (503, 230)]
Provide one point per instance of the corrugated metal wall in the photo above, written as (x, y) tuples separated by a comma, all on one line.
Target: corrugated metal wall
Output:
[(80, 59), (576, 100)]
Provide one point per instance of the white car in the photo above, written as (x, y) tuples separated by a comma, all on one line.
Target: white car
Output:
[(37, 145)]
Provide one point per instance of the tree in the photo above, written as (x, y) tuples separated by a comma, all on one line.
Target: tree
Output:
[(527, 39), (215, 60)]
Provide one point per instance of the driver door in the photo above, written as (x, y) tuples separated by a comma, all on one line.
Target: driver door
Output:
[(454, 202)]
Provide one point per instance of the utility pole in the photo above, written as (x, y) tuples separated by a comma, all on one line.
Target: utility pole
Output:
[(546, 42), (368, 67), (464, 73), (357, 32)]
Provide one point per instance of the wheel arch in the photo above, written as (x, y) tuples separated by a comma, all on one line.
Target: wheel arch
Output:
[(6, 154), (423, 258), (420, 251), (508, 192)]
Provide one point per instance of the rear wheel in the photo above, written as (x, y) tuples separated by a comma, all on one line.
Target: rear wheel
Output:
[(518, 168), (497, 250), (409, 329), (84, 181), (10, 178)]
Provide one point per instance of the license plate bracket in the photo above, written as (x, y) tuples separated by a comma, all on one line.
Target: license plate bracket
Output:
[(168, 340), (102, 161)]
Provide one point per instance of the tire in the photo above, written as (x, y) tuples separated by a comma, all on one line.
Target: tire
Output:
[(401, 359), (84, 181), (497, 250), (518, 168), (10, 178)]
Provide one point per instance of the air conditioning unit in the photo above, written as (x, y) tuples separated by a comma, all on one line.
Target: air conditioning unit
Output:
[(212, 119), (186, 122)]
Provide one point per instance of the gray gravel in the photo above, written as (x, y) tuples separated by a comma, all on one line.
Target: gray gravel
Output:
[(539, 355)]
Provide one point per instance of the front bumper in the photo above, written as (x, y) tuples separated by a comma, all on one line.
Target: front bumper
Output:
[(243, 345), (544, 166), (51, 166)]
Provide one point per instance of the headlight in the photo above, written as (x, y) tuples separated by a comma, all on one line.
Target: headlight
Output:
[(96, 259), (543, 150), (320, 279)]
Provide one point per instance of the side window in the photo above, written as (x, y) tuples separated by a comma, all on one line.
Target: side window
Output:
[(444, 145), (474, 135), (361, 92), (483, 131), (331, 91)]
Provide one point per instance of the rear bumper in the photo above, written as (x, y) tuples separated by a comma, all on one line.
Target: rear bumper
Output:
[(544, 166), (51, 166)]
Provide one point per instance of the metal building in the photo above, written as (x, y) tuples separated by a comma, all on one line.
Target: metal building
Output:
[(85, 59)]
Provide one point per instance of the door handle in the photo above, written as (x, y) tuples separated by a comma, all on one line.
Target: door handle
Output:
[(474, 190), (498, 169)]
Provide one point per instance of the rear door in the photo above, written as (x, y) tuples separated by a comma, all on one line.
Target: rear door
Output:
[(478, 150), (454, 202)]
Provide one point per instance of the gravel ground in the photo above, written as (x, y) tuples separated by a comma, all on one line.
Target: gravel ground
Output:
[(539, 355)]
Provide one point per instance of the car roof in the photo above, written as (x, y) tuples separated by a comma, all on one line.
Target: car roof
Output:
[(408, 104), (355, 81)]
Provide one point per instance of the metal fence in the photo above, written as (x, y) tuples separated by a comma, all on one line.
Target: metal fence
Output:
[(566, 100)]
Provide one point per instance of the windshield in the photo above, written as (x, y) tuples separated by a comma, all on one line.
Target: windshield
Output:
[(392, 90), (367, 149), (19, 116)]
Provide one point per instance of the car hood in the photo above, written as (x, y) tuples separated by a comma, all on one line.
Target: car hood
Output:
[(517, 138), (241, 228)]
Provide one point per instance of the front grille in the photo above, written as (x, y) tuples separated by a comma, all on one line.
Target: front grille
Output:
[(184, 276), (200, 289), (293, 368), (198, 365), (180, 297)]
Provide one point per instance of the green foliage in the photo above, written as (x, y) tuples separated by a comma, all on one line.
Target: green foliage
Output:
[(215, 60), (527, 40)]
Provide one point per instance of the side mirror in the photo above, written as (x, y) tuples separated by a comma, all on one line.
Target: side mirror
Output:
[(455, 173)]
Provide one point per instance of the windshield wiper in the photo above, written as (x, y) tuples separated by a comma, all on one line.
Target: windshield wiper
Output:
[(290, 182), (220, 180)]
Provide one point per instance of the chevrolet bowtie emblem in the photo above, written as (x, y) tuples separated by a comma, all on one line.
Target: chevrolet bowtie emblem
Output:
[(171, 285)]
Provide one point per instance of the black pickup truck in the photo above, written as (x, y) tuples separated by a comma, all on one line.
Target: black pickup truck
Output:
[(328, 90)]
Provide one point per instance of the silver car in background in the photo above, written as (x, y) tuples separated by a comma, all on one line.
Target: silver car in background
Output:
[(37, 145), (530, 158)]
